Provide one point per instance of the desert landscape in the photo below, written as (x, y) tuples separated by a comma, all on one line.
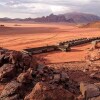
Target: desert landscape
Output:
[(36, 35), (23, 76), (49, 50)]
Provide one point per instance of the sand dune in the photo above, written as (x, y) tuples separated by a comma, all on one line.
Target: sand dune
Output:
[(92, 25)]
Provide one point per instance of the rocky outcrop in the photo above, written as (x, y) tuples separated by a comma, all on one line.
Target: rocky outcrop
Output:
[(45, 91), (24, 78), (13, 62), (90, 90), (12, 91), (7, 71)]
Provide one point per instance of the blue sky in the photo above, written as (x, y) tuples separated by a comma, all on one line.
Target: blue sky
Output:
[(37, 8)]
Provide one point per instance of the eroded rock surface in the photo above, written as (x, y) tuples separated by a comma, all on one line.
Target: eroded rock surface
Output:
[(89, 90), (24, 78), (7, 71), (12, 91), (45, 91)]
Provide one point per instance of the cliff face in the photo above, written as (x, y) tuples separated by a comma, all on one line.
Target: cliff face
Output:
[(53, 18)]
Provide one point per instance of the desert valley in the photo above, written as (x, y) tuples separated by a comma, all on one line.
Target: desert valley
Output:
[(18, 36), (49, 50)]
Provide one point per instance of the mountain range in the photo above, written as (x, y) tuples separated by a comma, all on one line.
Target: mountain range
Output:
[(67, 17), (82, 17)]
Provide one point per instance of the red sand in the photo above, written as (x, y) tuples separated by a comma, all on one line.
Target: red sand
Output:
[(34, 35)]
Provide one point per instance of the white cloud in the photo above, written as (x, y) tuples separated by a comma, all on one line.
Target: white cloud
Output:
[(35, 8), (59, 9), (81, 1)]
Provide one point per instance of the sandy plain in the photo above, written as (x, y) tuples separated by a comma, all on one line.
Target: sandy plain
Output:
[(18, 36)]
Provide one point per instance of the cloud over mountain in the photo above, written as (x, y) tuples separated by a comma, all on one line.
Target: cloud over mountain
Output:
[(36, 8)]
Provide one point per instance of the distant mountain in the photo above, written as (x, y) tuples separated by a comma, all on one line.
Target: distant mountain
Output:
[(92, 25), (5, 19), (81, 17), (9, 19), (67, 18), (53, 18), (50, 18)]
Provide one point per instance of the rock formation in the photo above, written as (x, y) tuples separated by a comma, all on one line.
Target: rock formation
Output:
[(25, 79)]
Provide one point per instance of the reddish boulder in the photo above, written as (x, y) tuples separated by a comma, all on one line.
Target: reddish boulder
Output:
[(26, 59), (7, 71), (24, 77), (89, 90), (45, 91), (12, 91), (15, 57)]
